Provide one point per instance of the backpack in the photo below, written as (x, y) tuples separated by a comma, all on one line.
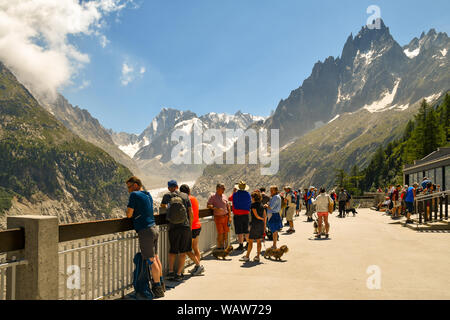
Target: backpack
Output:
[(177, 213), (141, 277)]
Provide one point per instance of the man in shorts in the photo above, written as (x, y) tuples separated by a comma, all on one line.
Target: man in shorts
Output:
[(140, 209), (242, 202), (290, 208), (180, 235), (222, 214), (397, 202), (409, 200)]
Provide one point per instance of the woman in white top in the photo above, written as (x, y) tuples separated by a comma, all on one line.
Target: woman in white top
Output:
[(323, 204)]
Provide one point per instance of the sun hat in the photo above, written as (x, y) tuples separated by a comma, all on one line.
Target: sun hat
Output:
[(242, 186)]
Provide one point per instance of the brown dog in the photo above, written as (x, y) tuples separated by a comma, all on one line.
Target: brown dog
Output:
[(276, 253), (222, 253)]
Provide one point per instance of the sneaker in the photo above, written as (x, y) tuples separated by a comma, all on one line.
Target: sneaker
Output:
[(246, 246), (241, 247), (256, 259), (318, 236), (199, 271), (170, 275), (178, 277), (327, 236), (158, 291), (194, 270), (245, 259)]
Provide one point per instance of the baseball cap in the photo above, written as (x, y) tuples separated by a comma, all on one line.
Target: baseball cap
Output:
[(172, 183)]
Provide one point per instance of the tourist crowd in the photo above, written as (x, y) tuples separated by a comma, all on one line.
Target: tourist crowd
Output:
[(255, 216), (399, 200)]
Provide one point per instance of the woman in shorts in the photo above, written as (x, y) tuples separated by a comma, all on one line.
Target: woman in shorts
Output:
[(257, 226), (323, 203)]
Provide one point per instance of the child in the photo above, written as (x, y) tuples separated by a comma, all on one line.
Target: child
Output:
[(257, 226)]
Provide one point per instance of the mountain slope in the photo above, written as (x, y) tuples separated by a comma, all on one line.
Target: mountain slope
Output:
[(81, 122), (46, 169)]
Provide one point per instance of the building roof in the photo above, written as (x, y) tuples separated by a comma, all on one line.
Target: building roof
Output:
[(438, 158)]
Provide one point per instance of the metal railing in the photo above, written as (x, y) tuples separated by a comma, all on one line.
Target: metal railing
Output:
[(432, 207), (5, 268), (102, 268)]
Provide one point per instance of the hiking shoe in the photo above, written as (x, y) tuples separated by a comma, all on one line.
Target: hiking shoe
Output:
[(194, 270), (170, 275), (199, 271), (245, 259), (158, 291), (178, 277)]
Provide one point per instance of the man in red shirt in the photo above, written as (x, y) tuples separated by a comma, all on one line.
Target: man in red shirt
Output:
[(222, 215), (196, 228)]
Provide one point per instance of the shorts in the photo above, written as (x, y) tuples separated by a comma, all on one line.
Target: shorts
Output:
[(241, 224), (221, 224), (322, 214), (196, 232), (290, 213), (275, 223), (410, 206), (180, 240), (397, 204), (148, 242)]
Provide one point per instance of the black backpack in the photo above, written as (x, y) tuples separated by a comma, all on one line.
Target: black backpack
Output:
[(177, 213)]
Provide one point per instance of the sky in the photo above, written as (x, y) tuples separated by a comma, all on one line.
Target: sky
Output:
[(124, 60)]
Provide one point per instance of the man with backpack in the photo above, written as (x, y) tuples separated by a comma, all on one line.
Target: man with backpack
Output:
[(290, 208), (180, 216), (140, 209)]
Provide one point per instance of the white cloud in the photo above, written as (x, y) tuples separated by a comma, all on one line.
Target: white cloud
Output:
[(34, 40), (129, 74)]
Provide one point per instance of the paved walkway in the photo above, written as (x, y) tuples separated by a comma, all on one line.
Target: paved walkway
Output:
[(413, 265)]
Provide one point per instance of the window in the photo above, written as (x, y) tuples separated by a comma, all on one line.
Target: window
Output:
[(439, 177)]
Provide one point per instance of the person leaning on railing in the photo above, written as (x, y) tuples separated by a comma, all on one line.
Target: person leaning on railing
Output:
[(409, 201), (140, 209)]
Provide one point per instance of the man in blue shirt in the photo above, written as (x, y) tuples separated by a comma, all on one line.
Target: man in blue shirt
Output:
[(409, 200), (140, 209), (310, 209)]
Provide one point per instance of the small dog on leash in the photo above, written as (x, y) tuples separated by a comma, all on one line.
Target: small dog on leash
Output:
[(222, 253), (352, 210), (276, 253)]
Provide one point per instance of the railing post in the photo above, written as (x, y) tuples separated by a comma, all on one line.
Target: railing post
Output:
[(446, 206), (38, 280), (441, 208), (419, 210)]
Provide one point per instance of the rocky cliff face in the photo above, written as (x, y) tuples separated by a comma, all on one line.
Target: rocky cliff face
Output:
[(47, 169), (81, 122), (373, 72)]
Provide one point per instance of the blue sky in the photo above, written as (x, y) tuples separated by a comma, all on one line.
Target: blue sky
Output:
[(223, 56)]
